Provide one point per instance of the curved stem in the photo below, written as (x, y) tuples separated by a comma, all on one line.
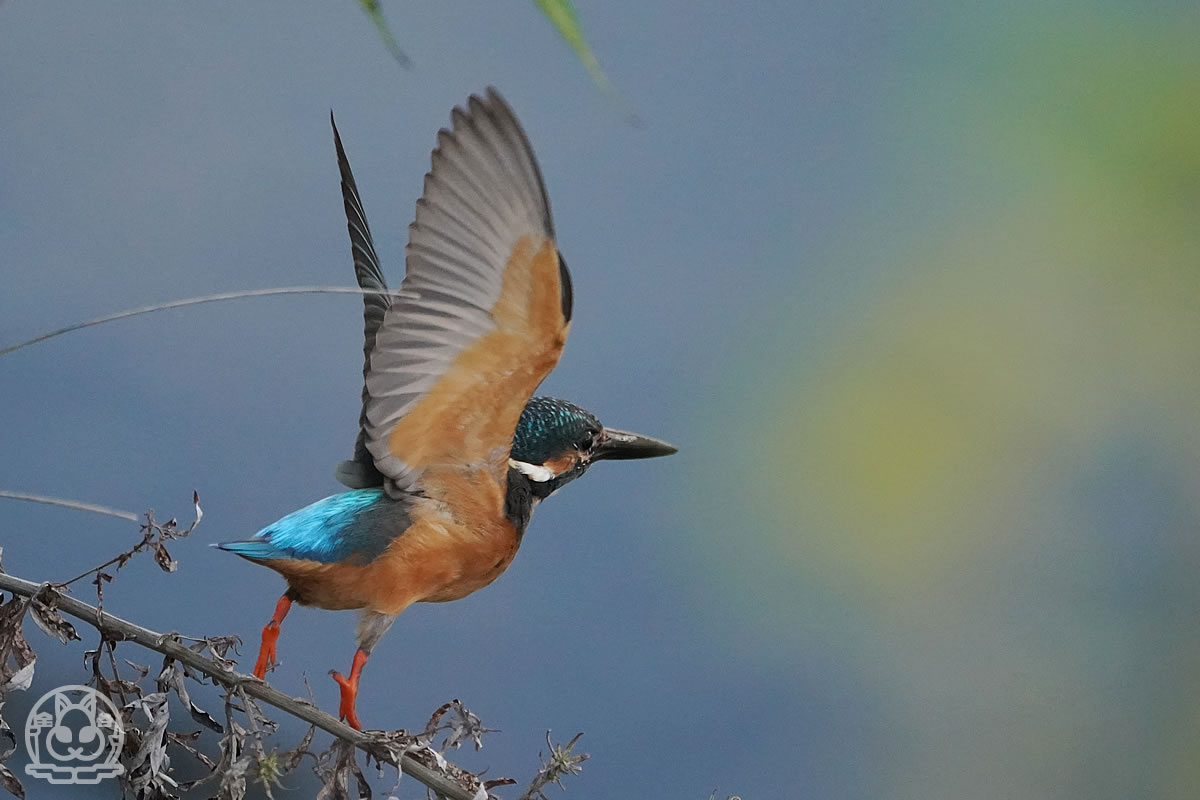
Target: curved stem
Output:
[(75, 504), (190, 301)]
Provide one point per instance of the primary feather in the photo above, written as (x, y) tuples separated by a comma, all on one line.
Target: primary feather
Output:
[(360, 472)]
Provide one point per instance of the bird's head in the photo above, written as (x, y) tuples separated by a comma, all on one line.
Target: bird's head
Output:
[(556, 441)]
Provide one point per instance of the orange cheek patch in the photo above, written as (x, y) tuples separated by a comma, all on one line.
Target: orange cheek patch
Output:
[(473, 409), (565, 463)]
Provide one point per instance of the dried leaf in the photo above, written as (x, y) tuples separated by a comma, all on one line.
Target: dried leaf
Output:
[(99, 581), (185, 742), (10, 739), (235, 761), (13, 647), (50, 621), (171, 679), (494, 782), (115, 688), (460, 724), (204, 718), (163, 558), (217, 648), (147, 771), (10, 783), (434, 724), (184, 739), (8, 780), (141, 669), (290, 759), (255, 714), (335, 768), (464, 725), (21, 679)]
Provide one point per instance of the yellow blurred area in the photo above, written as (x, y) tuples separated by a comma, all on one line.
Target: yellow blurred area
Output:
[(983, 481), (965, 395), (1060, 310)]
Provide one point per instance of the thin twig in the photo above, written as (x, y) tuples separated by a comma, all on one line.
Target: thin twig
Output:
[(154, 534), (58, 501), (168, 645), (190, 301)]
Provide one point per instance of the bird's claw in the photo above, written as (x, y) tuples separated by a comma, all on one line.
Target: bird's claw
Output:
[(349, 691), (266, 653)]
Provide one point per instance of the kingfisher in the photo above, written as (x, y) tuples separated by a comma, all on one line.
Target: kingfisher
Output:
[(453, 451)]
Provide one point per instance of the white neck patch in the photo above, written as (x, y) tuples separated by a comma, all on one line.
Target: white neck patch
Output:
[(535, 472)]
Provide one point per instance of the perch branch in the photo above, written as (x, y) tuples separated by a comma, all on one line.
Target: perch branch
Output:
[(168, 645)]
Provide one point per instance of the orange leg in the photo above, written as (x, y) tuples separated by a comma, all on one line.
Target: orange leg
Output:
[(350, 689), (270, 635)]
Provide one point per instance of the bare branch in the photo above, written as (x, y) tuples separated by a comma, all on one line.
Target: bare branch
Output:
[(75, 504), (380, 746), (190, 301), (154, 535)]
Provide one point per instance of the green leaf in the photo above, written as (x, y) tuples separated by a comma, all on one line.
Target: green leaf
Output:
[(376, 14), (562, 14)]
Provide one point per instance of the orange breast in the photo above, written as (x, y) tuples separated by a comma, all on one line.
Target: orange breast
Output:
[(459, 542)]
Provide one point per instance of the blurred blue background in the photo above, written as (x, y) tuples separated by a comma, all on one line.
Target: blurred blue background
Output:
[(915, 290)]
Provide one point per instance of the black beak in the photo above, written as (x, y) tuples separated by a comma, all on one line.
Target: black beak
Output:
[(619, 445)]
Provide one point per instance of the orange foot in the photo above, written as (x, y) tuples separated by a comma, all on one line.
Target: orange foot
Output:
[(266, 653), (270, 635), (349, 695), (349, 689)]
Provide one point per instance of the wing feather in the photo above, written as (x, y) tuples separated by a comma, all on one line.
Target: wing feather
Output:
[(479, 319), (360, 472)]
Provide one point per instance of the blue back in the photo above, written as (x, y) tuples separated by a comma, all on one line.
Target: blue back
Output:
[(354, 527)]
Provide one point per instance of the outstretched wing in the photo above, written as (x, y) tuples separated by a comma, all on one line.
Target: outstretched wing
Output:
[(360, 472), (483, 313)]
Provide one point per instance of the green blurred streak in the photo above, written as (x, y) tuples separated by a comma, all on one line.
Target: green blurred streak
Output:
[(375, 12), (562, 15)]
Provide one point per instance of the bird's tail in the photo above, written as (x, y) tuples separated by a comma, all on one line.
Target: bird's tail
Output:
[(255, 549)]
